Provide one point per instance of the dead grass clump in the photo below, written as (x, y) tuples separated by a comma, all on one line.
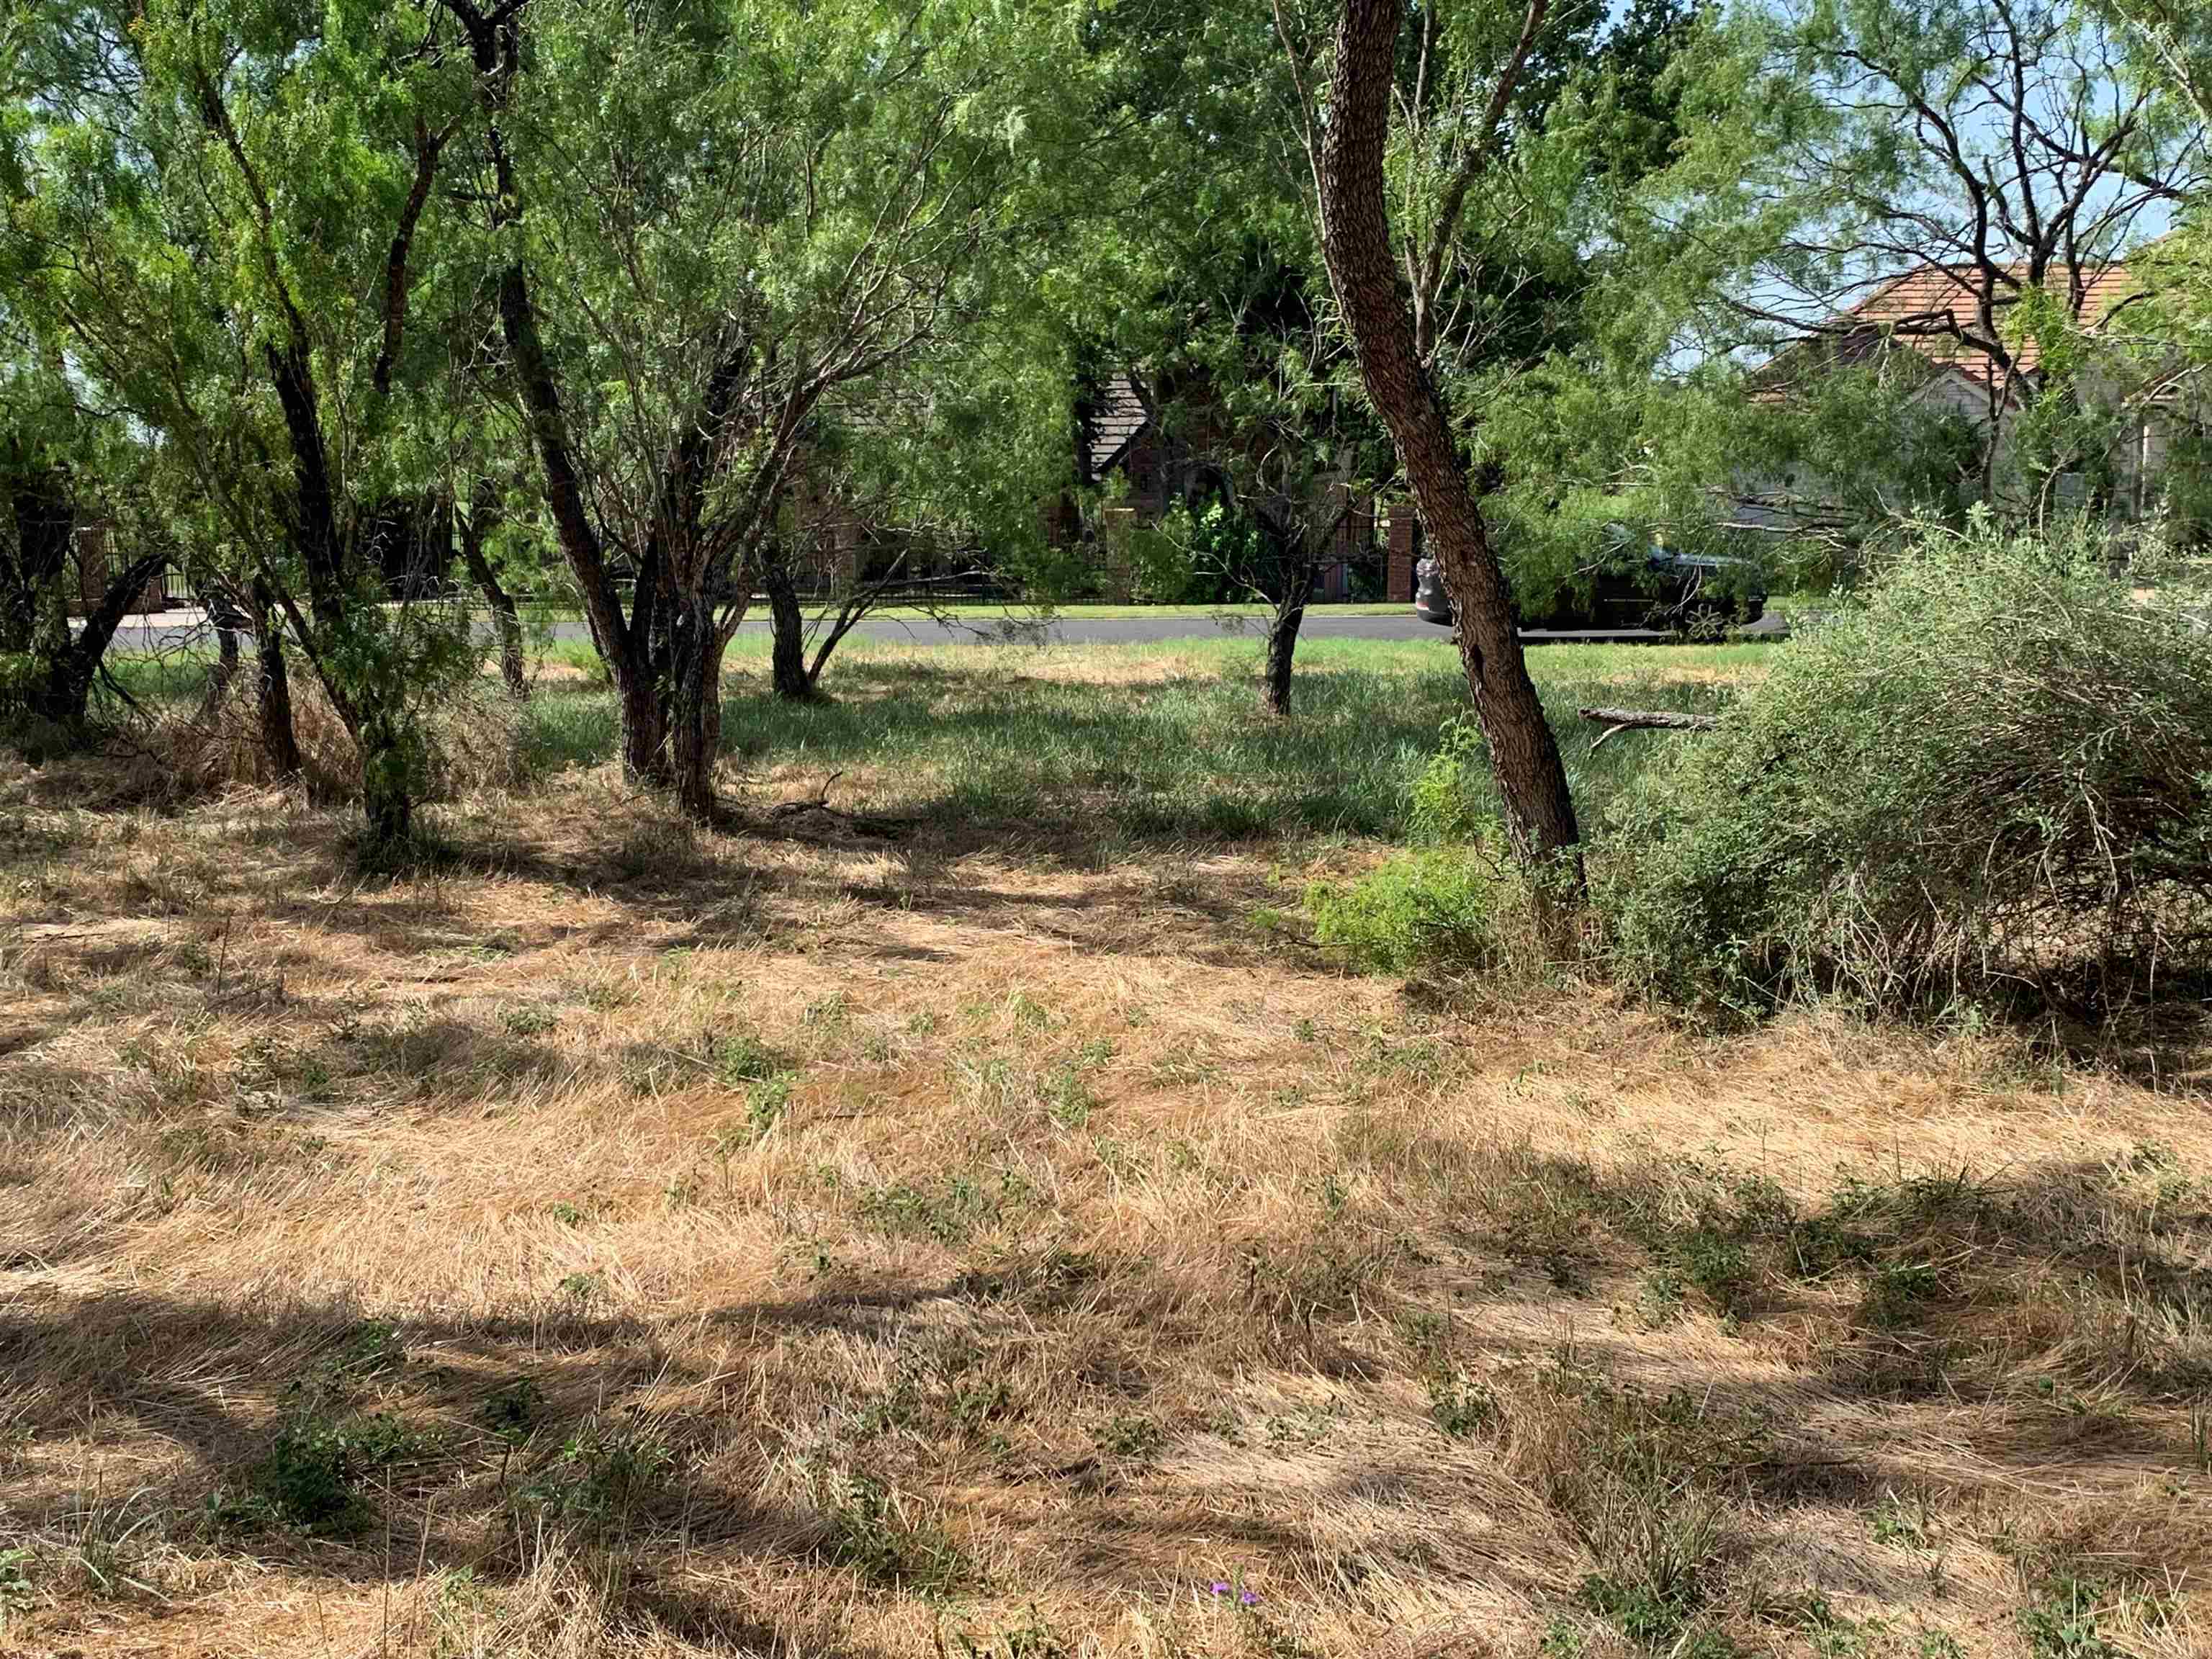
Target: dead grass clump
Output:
[(193, 753), (208, 751), (475, 745), (1647, 1485), (574, 1601)]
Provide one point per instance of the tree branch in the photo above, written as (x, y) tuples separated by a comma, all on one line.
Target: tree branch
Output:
[(1471, 167), (427, 146)]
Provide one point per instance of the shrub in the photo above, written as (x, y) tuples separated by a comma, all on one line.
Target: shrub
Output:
[(1454, 798), (1434, 908), (1990, 770)]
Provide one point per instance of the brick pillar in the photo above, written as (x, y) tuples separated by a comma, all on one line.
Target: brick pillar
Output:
[(1405, 548), (89, 544)]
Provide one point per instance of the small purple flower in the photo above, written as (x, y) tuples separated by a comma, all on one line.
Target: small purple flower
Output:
[(1250, 1598), (1220, 1589)]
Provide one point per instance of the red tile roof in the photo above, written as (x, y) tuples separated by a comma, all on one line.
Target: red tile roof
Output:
[(1930, 309)]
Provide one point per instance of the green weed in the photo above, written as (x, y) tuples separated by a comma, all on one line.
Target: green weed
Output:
[(871, 1531), (2063, 1623), (1461, 1405), (603, 1473), (948, 1214), (1131, 1435), (312, 1475), (1434, 908), (513, 1413), (528, 1019)]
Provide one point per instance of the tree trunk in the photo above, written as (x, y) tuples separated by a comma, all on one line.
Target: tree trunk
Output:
[(387, 800), (506, 620), (695, 703), (1539, 814), (789, 656), (65, 696), (644, 733), (1282, 644), (224, 673), (35, 601), (280, 743)]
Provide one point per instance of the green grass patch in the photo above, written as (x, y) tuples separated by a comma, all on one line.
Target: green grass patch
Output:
[(1158, 741), (997, 735)]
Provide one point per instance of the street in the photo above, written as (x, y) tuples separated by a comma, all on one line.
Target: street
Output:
[(167, 630)]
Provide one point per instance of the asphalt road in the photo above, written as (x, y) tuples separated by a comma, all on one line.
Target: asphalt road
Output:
[(169, 629)]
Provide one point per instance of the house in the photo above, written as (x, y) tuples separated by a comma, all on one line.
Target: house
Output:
[(1126, 451), (1960, 321)]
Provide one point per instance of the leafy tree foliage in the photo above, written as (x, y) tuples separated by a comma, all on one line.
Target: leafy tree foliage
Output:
[(705, 220), (218, 213)]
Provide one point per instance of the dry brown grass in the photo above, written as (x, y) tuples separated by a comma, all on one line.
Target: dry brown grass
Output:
[(821, 1244)]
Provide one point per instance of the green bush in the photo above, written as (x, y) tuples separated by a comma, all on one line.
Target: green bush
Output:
[(1990, 771), (1434, 908), (1454, 798)]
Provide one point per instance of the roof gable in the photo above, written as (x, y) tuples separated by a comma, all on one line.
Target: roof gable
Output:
[(1936, 310), (1111, 423)]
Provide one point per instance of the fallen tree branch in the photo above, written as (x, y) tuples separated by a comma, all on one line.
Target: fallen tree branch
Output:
[(818, 803), (1644, 719)]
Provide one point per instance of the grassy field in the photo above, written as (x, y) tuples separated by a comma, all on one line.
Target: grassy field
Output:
[(977, 1219)]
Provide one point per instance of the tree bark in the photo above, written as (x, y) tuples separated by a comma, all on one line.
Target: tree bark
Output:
[(694, 679), (279, 741), (788, 654), (65, 696), (1532, 781), (225, 672), (1283, 627), (505, 619)]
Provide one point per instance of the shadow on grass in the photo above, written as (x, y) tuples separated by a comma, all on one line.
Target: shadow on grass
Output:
[(220, 1382)]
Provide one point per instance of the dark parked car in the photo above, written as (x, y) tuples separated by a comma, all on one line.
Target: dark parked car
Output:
[(1671, 592)]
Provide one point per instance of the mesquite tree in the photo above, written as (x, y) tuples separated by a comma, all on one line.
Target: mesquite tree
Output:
[(221, 218), (1390, 296), (1273, 456), (704, 218), (914, 489)]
